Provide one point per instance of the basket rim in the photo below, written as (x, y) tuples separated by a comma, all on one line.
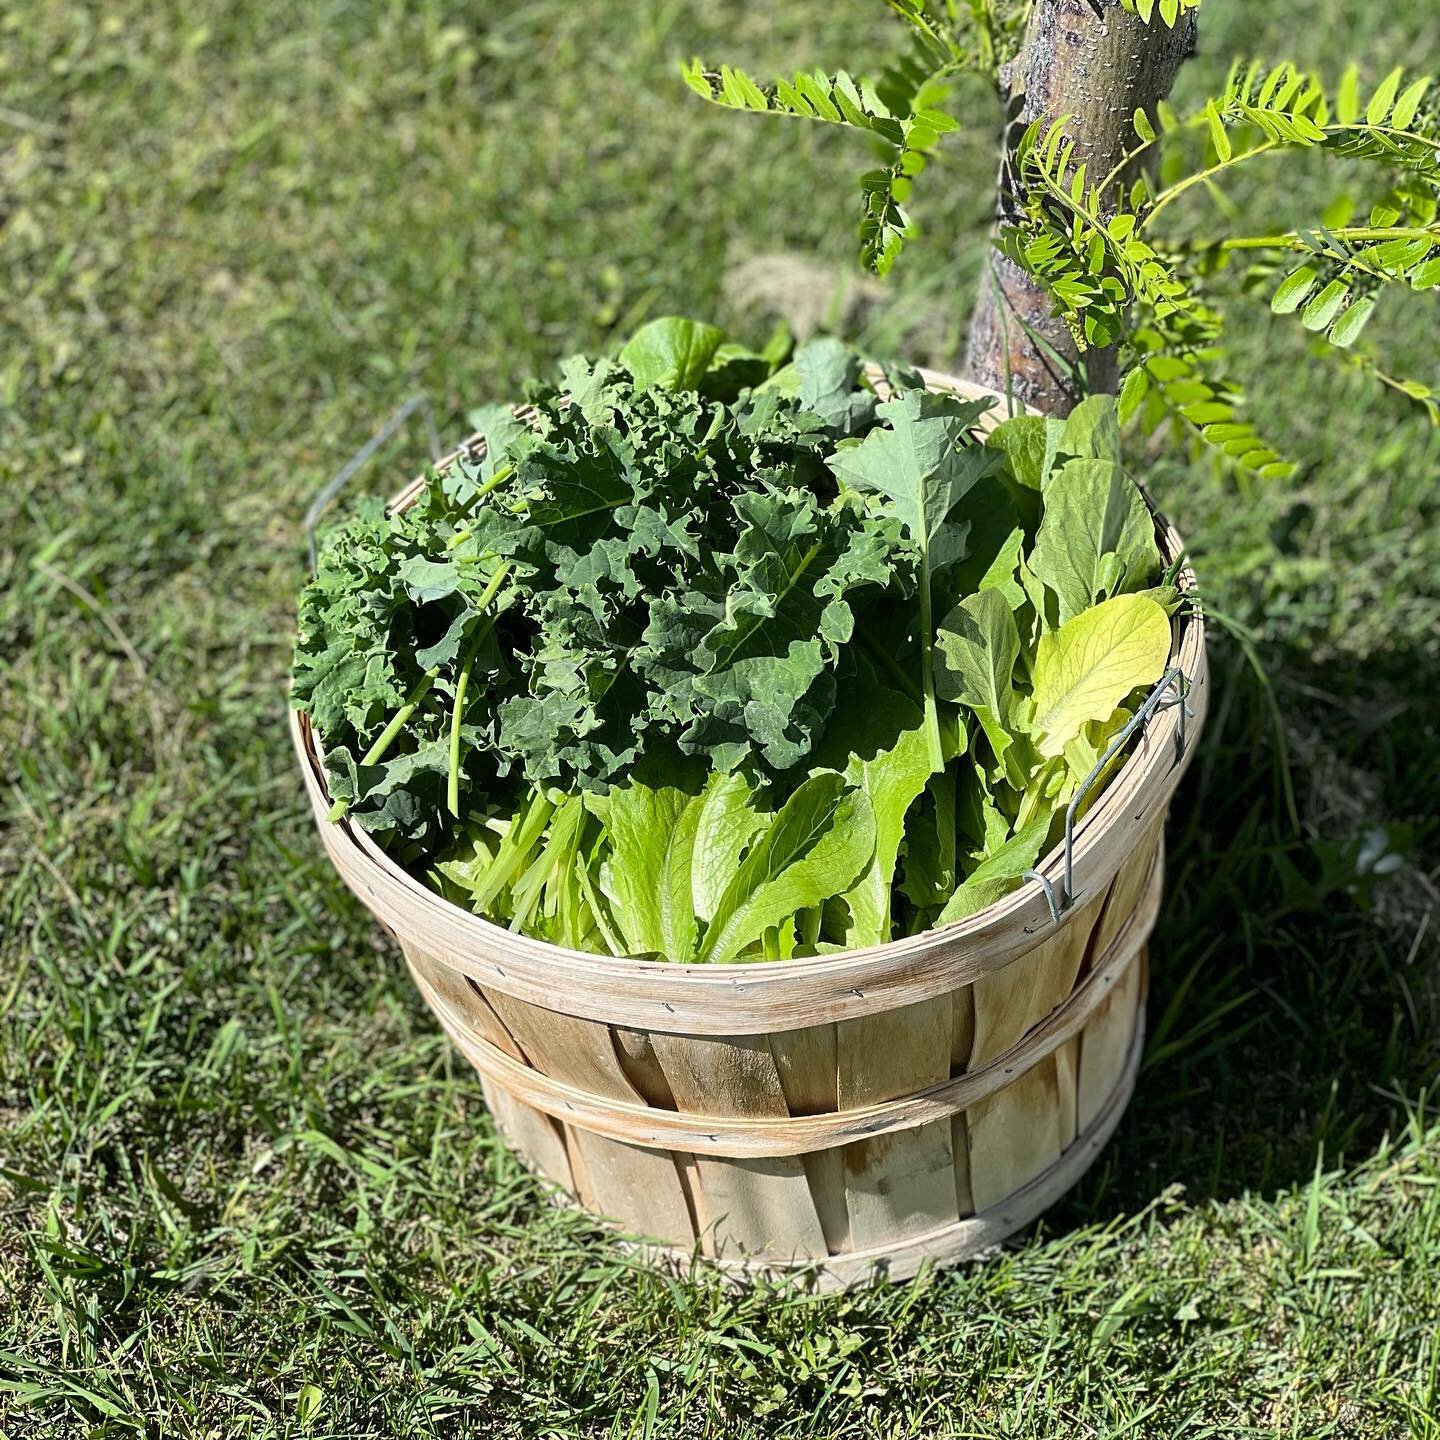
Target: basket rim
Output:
[(717, 999)]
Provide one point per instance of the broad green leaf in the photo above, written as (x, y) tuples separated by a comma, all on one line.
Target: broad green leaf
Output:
[(999, 873), (648, 873), (976, 648), (744, 660), (828, 373), (727, 824), (930, 838), (815, 847), (919, 460), (1022, 440), (671, 352), (1083, 753), (1001, 572), (878, 738), (1097, 538), (1091, 431), (1089, 665), (923, 463)]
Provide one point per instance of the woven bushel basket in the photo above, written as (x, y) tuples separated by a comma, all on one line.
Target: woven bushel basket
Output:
[(855, 1114)]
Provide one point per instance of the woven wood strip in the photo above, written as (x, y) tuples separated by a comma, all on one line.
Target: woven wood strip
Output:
[(962, 1240), (778, 995), (757, 1135)]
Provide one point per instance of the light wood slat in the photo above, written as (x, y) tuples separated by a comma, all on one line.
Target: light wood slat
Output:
[(1067, 1078), (689, 1172), (904, 1183), (735, 1076), (580, 1052), (1018, 1133), (1129, 885), (966, 1238), (805, 1062), (465, 998), (962, 1029), (1014, 1136), (753, 1136), (638, 1189), (536, 1136), (636, 1052), (960, 1150), (1104, 1041), (1009, 1003), (761, 1206)]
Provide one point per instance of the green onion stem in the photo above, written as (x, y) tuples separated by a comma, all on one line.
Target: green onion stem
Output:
[(376, 752), (501, 475)]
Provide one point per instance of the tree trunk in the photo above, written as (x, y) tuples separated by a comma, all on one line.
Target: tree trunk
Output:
[(1098, 64)]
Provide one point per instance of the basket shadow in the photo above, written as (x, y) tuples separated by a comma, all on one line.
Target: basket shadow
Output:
[(1295, 973)]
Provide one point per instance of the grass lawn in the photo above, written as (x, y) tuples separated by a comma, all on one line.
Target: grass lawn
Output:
[(246, 1187)]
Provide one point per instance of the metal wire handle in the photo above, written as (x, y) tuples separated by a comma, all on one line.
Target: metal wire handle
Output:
[(420, 402), (1158, 699)]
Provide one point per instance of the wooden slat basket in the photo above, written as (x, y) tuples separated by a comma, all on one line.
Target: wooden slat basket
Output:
[(856, 1114)]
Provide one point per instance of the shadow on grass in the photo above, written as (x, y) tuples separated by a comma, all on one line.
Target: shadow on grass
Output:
[(1293, 973)]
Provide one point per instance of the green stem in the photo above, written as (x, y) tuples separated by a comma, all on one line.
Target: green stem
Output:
[(597, 909), (934, 748), (904, 681), (501, 475), (376, 752), (462, 683), (809, 928), (1293, 240)]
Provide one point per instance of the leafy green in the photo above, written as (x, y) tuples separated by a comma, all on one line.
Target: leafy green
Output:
[(919, 462), (647, 874), (976, 649), (672, 351), (881, 735), (816, 846), (999, 874), (1088, 666), (655, 671), (1096, 539)]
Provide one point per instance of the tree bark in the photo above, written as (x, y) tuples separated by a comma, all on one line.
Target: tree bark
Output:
[(1098, 64)]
